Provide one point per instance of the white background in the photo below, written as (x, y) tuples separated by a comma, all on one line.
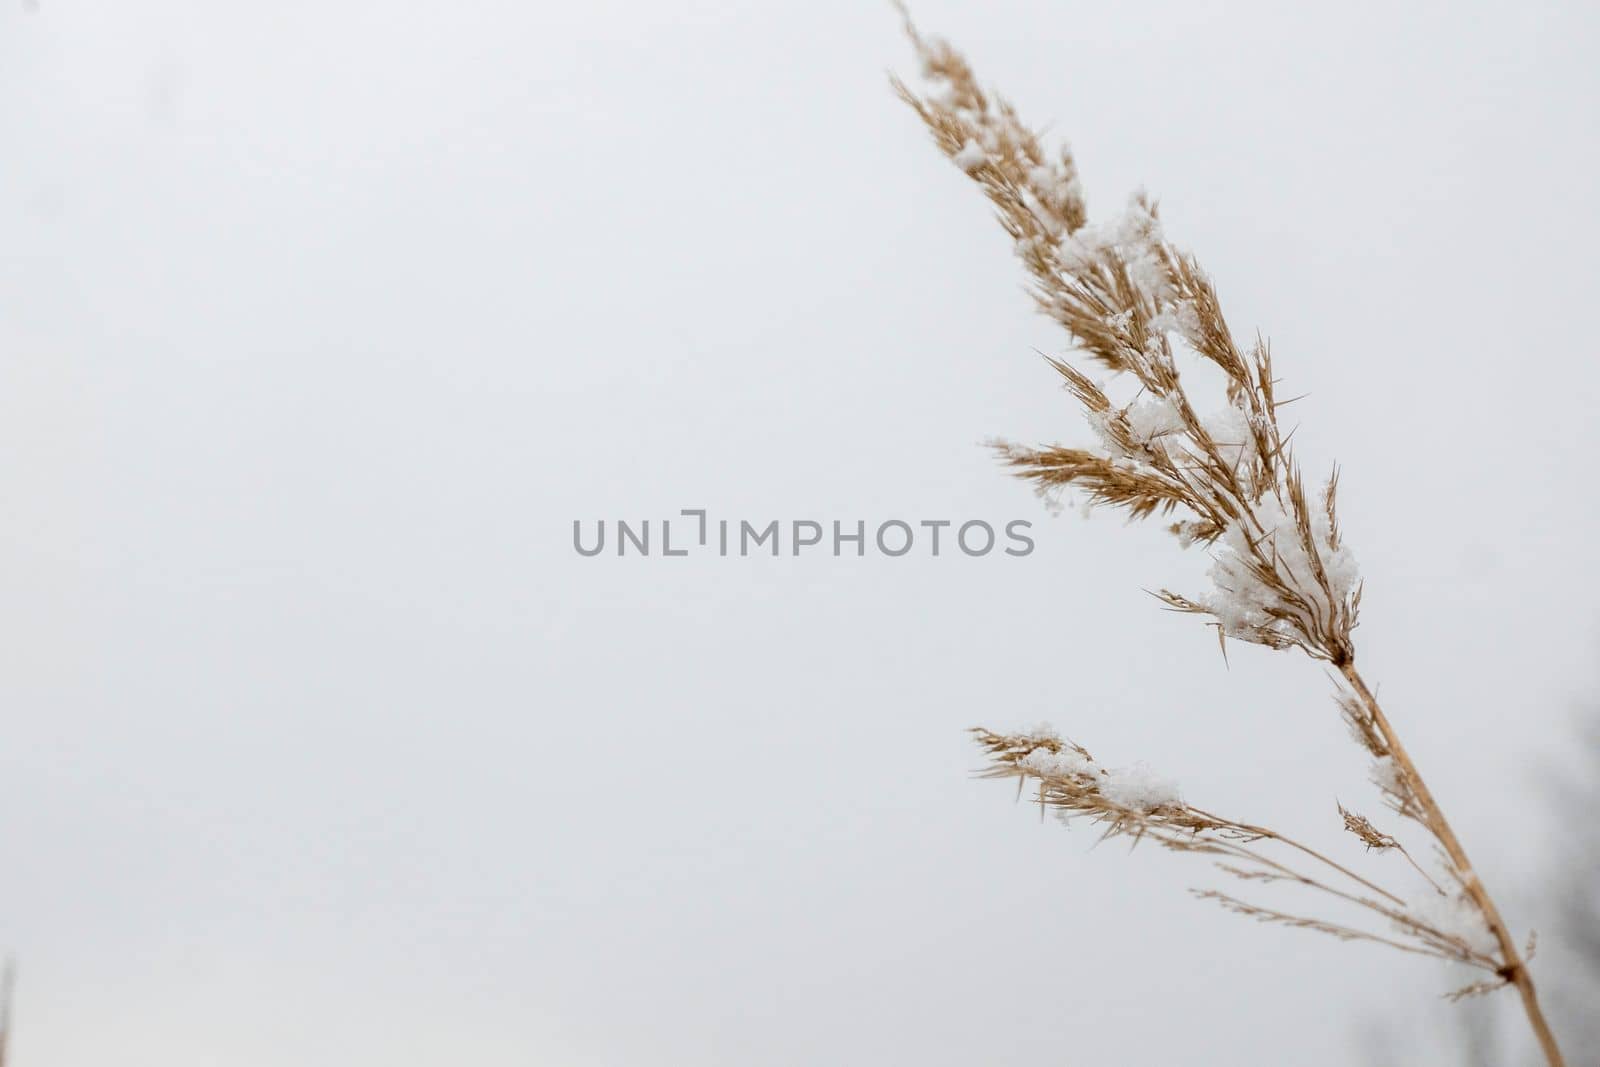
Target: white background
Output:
[(323, 322)]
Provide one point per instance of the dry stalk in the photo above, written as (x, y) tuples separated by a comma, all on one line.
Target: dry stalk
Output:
[(1142, 313)]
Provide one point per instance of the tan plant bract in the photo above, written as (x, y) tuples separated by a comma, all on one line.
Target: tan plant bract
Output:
[(1146, 316)]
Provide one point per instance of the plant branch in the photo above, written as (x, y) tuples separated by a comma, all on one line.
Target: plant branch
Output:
[(1314, 854)]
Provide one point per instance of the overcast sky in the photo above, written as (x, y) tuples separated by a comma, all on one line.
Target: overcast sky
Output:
[(324, 321)]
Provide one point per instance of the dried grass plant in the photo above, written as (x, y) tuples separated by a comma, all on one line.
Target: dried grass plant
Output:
[(1144, 318)]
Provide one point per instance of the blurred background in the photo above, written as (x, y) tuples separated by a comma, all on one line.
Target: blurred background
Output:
[(324, 321)]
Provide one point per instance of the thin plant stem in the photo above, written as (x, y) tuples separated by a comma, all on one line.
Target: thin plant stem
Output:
[(1273, 835), (1514, 969)]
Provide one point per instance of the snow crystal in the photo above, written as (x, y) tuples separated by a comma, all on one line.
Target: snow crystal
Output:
[(1135, 236), (1054, 188), (1147, 419), (1230, 428), (1457, 916), (1077, 251), (1148, 274), (1068, 761), (1152, 417), (1243, 601), (1138, 788), (1180, 318), (1386, 776), (971, 157), (1100, 423), (1139, 239), (1338, 563)]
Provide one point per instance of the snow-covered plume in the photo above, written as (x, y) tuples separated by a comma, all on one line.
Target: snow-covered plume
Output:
[(1194, 435), (1140, 309)]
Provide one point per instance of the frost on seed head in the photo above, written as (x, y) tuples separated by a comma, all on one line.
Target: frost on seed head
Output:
[(1139, 788), (970, 157), (1144, 314)]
